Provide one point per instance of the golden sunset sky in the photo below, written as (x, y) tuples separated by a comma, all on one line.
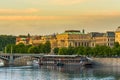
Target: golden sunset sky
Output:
[(41, 17)]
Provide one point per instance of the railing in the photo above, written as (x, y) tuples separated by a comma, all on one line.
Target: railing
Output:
[(15, 54)]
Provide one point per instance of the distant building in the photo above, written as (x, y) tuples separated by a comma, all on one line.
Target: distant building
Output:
[(73, 38), (117, 35), (22, 39), (107, 39), (43, 39)]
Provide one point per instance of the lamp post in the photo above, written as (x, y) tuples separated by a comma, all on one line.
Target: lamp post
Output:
[(11, 62), (11, 49)]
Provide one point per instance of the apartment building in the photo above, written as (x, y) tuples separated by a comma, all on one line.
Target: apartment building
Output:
[(107, 39)]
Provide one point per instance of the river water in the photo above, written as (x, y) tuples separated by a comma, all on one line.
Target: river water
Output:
[(59, 73)]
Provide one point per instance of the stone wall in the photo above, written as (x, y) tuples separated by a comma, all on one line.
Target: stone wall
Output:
[(107, 61), (22, 61)]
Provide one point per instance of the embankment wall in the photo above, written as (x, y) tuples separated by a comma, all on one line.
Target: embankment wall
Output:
[(107, 61)]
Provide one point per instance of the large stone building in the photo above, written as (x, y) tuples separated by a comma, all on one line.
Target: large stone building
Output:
[(72, 38)]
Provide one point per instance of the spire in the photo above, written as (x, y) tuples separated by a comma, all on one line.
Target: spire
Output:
[(83, 31), (28, 35)]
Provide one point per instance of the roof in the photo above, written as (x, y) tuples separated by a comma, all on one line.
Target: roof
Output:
[(107, 34), (118, 29), (72, 32)]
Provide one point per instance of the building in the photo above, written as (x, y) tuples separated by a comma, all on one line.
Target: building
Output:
[(22, 39), (107, 39), (72, 38), (36, 40), (117, 35)]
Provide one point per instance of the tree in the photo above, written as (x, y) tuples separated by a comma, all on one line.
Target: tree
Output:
[(116, 51), (47, 47), (56, 50), (20, 48), (41, 48), (70, 50), (79, 50), (10, 48), (116, 44), (33, 49), (88, 51), (5, 40), (63, 51)]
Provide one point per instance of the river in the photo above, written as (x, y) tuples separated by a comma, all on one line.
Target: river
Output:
[(59, 73)]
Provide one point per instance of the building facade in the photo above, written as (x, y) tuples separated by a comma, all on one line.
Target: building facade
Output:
[(73, 38), (107, 39), (117, 35)]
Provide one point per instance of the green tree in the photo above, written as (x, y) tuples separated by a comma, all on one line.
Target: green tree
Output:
[(47, 47), (63, 51), (79, 50), (56, 50), (10, 48), (70, 50), (116, 44), (116, 51), (88, 51), (5, 40), (33, 49), (20, 48)]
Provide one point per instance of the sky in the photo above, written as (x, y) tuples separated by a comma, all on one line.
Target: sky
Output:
[(43, 17)]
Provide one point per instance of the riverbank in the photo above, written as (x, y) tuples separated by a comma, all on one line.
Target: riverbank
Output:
[(107, 61)]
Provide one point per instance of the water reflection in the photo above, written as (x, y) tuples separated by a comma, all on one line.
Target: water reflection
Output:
[(59, 73)]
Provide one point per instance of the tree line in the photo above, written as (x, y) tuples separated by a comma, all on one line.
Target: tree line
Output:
[(21, 48), (5, 40), (97, 51)]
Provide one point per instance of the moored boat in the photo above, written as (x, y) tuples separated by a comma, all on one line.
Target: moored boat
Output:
[(33, 63), (1, 63)]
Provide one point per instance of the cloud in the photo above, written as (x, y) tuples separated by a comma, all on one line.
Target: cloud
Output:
[(84, 15), (67, 2), (17, 11), (102, 13), (54, 2), (31, 17)]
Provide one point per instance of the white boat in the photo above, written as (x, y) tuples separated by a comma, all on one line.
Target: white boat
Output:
[(29, 63), (33, 63), (1, 63)]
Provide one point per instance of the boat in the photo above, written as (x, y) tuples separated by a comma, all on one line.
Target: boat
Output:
[(33, 63), (29, 63), (1, 63)]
